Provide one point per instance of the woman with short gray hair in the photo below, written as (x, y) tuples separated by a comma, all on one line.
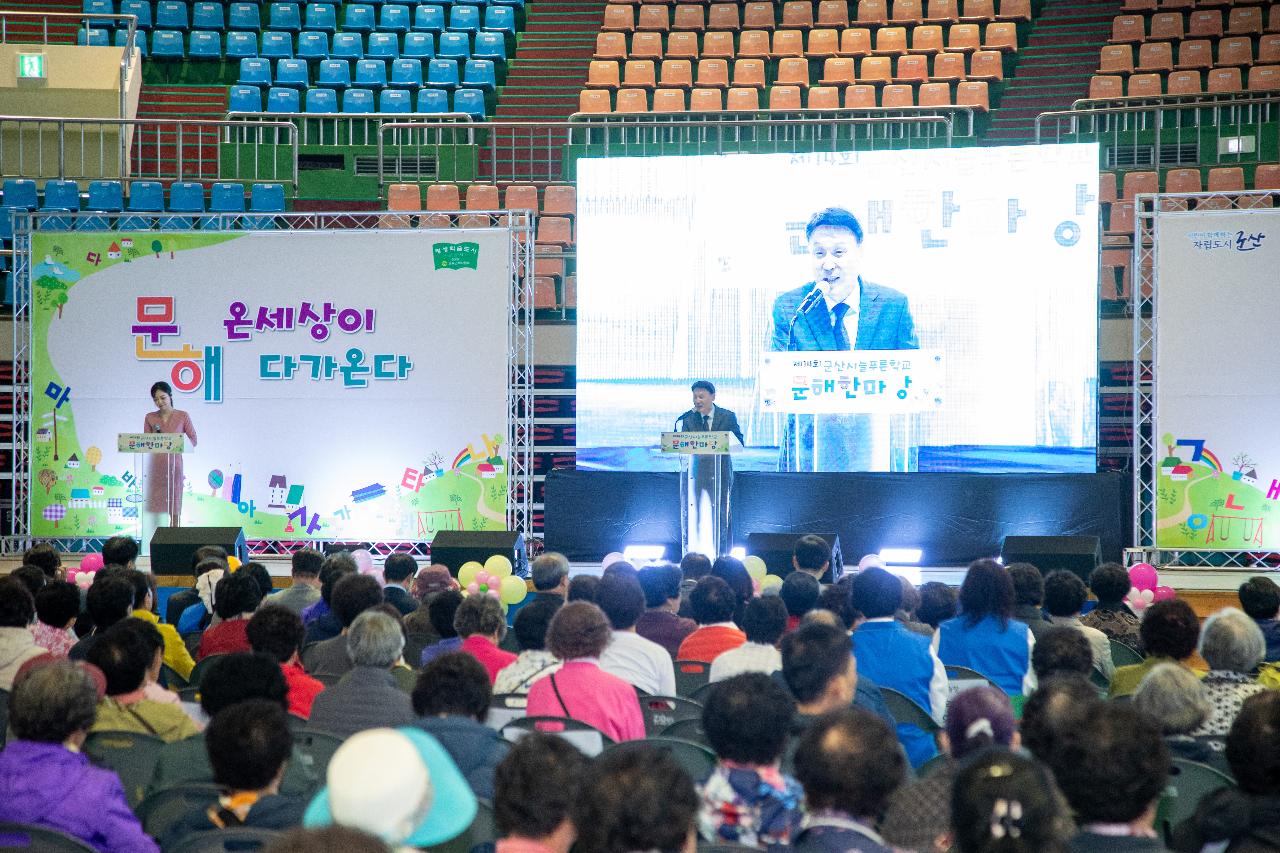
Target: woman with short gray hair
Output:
[(1233, 646), (1173, 696)]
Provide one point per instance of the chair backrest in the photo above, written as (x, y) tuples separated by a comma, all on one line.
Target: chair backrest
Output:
[(1189, 783), (132, 756), (698, 760), (162, 810), (961, 678), (226, 198), (1122, 655), (266, 198), (204, 664), (21, 836), (316, 748), (904, 710), (688, 729), (662, 711), (590, 740), (481, 834), (219, 840), (690, 675)]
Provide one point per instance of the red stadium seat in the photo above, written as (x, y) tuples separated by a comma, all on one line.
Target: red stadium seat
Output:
[(1107, 188), (912, 69), (1205, 23), (717, 45), (646, 46), (1269, 49), (874, 12), (757, 16), (754, 44), (724, 16), (1224, 80), (1155, 56), (978, 11), (628, 101), (1235, 51), (1116, 59), (713, 73), (525, 196), (1146, 86), (639, 74), (823, 98), (875, 70), (688, 16), (964, 38), (797, 15), (891, 41), (1014, 10), (1245, 20), (787, 43), (682, 45), (860, 97), (1267, 177), (603, 74), (706, 100), (1264, 78), (907, 12), (1226, 179), (619, 18), (833, 13), (676, 73), (748, 73), (897, 97), (1128, 29), (1167, 26)]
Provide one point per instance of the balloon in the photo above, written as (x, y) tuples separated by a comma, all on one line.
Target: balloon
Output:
[(83, 580), (512, 590), (483, 578), (467, 574), (91, 562), (364, 560), (1164, 593), (610, 558), (233, 563), (755, 567), (473, 587), (769, 582), (493, 592), (870, 560), (498, 566), (1143, 576)]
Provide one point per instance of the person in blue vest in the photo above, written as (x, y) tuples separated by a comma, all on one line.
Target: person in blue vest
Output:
[(985, 637), (896, 657)]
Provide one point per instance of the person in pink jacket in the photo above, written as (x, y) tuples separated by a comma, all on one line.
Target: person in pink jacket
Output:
[(580, 689)]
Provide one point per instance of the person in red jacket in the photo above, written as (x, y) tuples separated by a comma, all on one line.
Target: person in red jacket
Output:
[(277, 631), (234, 600), (713, 603)]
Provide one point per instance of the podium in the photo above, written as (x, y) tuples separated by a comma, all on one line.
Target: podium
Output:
[(151, 458), (706, 479)]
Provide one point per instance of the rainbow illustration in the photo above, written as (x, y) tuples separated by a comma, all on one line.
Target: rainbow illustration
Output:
[(1206, 455), (465, 456)]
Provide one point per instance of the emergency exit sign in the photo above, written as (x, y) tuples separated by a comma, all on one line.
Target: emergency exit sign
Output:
[(31, 66)]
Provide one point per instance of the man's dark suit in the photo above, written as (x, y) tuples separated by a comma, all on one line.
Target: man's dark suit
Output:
[(722, 420), (705, 468), (884, 321)]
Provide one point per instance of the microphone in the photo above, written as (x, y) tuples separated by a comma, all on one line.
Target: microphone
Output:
[(155, 427), (810, 300), (681, 417)]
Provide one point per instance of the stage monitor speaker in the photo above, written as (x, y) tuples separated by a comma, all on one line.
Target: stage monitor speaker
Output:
[(776, 549), (1080, 554), (455, 547), (173, 547)]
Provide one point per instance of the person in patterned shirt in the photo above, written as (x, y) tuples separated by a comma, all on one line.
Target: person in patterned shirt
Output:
[(1233, 646), (1110, 583), (57, 606)]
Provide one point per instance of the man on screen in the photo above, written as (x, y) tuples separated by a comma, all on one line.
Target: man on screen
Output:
[(838, 310), (706, 415)]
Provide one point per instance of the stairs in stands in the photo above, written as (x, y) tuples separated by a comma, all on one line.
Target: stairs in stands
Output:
[(33, 30), (1054, 68), (158, 147)]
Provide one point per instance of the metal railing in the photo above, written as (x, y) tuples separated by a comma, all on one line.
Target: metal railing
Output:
[(358, 129)]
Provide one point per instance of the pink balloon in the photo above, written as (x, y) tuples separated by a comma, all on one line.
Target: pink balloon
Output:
[(1143, 576), (473, 587), (1164, 593), (483, 578), (364, 560), (91, 562), (496, 594)]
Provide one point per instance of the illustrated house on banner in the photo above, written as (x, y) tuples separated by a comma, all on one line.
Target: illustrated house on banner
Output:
[(113, 252), (79, 498), (115, 510), (276, 491), (294, 500), (74, 461)]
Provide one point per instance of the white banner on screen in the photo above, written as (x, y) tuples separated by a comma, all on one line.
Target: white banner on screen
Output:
[(681, 259), (892, 382)]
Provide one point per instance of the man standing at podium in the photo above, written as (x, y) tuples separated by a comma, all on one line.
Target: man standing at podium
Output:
[(706, 416), (705, 492)]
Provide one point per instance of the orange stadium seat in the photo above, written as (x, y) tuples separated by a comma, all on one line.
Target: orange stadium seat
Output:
[(754, 44), (1002, 37), (668, 101), (912, 69), (1273, 19), (833, 13), (525, 196), (544, 293), (611, 46), (682, 45), (401, 197), (792, 72), (908, 12), (441, 197), (548, 261), (978, 11), (1183, 181), (639, 74), (855, 41), (713, 73), (935, 95), (706, 100), (1205, 23), (927, 38), (1116, 59), (1107, 188), (1184, 83), (787, 43), (1146, 86), (873, 12), (646, 46), (973, 93), (688, 16), (628, 101), (1245, 20), (949, 67), (1106, 86), (717, 45), (891, 41), (1267, 177), (822, 43), (1235, 51), (823, 98), (571, 291), (1264, 78), (1128, 29), (942, 12), (742, 100), (964, 38), (1139, 5), (1179, 4), (797, 14), (860, 97), (1140, 182), (1195, 53), (724, 16), (897, 97), (986, 65), (676, 73), (1167, 26), (876, 70), (784, 98), (1122, 219), (1014, 10), (757, 16), (838, 71), (619, 18), (1155, 56), (653, 19), (1269, 49), (482, 197), (1224, 80), (748, 73), (1226, 179), (603, 74)]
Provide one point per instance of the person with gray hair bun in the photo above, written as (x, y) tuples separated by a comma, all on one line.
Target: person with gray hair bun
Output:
[(1173, 696), (1233, 645), (366, 697), (550, 575)]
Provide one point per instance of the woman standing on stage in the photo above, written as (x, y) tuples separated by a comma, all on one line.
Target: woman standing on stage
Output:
[(164, 470)]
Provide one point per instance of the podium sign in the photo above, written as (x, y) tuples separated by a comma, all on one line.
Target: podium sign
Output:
[(151, 442), (890, 382), (705, 442)]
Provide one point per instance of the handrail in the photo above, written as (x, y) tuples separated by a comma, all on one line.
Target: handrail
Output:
[(1180, 102), (867, 115), (1143, 105)]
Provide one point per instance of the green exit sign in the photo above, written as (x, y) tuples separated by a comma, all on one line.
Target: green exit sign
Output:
[(31, 66)]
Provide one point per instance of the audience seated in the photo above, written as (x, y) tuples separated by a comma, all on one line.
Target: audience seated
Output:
[(919, 814), (176, 656), (319, 619), (398, 571), (109, 599), (693, 568), (642, 663), (1260, 598), (305, 589), (204, 559), (550, 575), (452, 699), (835, 599), (249, 745), (1028, 596), (57, 606), (534, 661), (1244, 819), (1058, 707), (819, 670), (277, 632), (583, 588), (46, 780), (907, 609), (155, 651), (235, 598), (897, 658), (799, 592), (1110, 584), (46, 557), (937, 603), (17, 645), (713, 604), (1173, 697), (984, 637), (1061, 651), (1006, 802), (660, 623), (427, 584), (120, 551), (1112, 769), (635, 799), (747, 799), (442, 610), (230, 680), (199, 615), (367, 697), (764, 622), (732, 571), (260, 576), (32, 577), (1169, 631), (125, 656), (352, 595), (535, 787), (1064, 598), (481, 624), (811, 555), (330, 839), (849, 763), (578, 635), (1233, 645)]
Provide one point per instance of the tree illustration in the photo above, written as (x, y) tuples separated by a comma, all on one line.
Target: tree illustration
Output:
[(54, 513), (434, 462), (157, 247), (93, 456), (1242, 461), (60, 300), (57, 251), (132, 252), (108, 480), (215, 481), (47, 479)]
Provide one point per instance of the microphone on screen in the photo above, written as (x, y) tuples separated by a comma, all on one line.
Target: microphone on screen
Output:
[(811, 299)]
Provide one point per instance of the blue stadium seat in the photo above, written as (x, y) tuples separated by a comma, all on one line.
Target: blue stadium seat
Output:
[(393, 19), (144, 197), (428, 19), (313, 45), (442, 74), (172, 15), (207, 16), (245, 99), (454, 45), (383, 46), (264, 198), (99, 7), (419, 46), (433, 101), (519, 4), (347, 46), (406, 73), (60, 195), (357, 101), (223, 198), (282, 100), (469, 101), (479, 74), (244, 16), (395, 101), (254, 72), (184, 197), (139, 39), (276, 45), (359, 18), (284, 16), (334, 74), (166, 44), (321, 16), (491, 46), (141, 8), (241, 45), (500, 19), (292, 73), (21, 193), (203, 44), (321, 101), (104, 197), (100, 38), (464, 19), (370, 74)]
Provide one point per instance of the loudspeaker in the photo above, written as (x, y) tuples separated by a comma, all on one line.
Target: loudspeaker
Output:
[(776, 549), (1080, 554), (173, 547), (455, 547)]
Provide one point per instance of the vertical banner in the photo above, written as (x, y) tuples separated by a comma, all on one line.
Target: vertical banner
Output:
[(1217, 477), (330, 384)]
